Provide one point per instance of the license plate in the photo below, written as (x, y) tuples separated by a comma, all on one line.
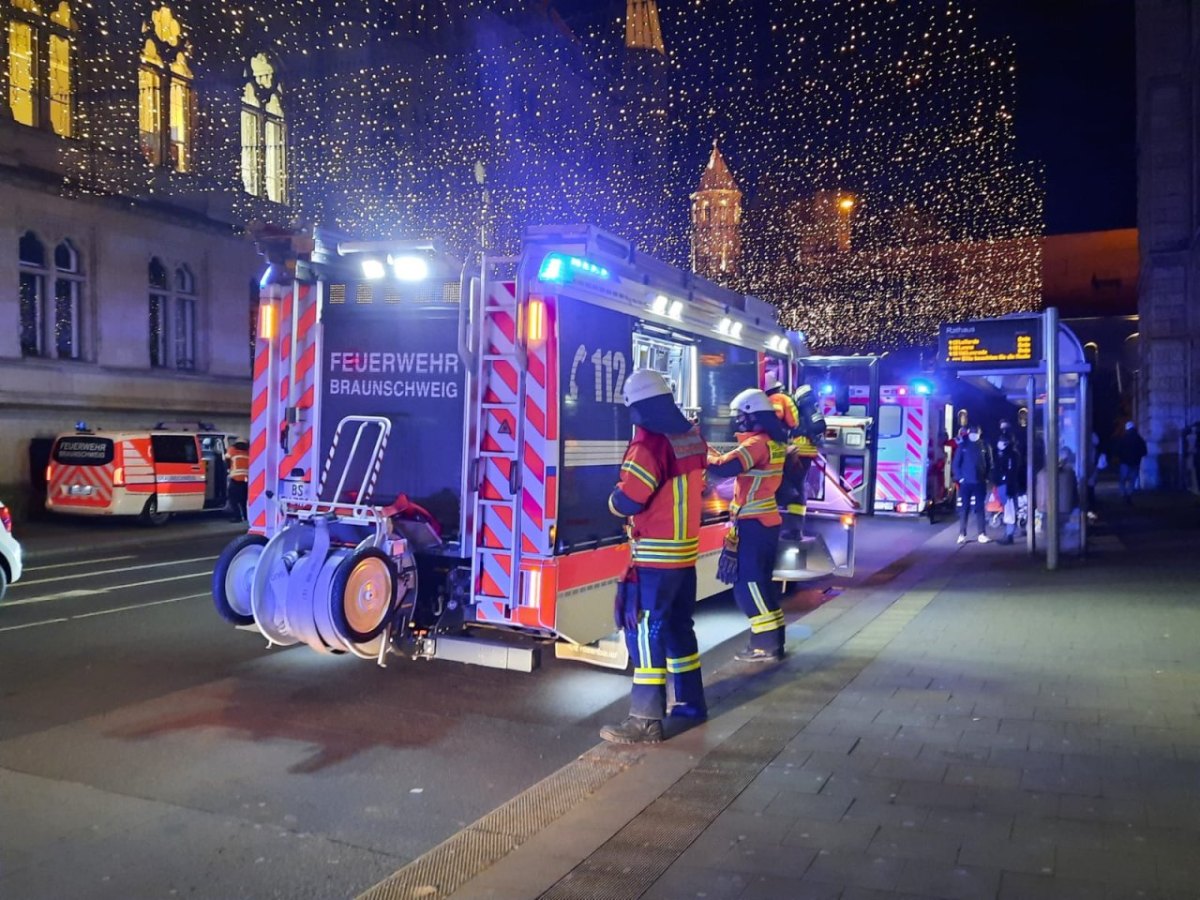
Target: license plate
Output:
[(79, 490)]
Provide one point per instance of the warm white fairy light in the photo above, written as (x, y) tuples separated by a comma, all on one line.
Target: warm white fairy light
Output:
[(900, 106)]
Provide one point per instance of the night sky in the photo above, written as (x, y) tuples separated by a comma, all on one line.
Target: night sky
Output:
[(1075, 102)]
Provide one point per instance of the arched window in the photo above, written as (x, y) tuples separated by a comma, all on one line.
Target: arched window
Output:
[(68, 289), (264, 132), (50, 322), (33, 271), (41, 92), (165, 97), (172, 316)]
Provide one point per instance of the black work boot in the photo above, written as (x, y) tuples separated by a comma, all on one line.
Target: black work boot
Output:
[(758, 655), (634, 730)]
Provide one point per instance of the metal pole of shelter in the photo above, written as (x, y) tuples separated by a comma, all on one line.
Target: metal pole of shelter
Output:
[(872, 439), (1050, 359), (1084, 462), (1030, 471)]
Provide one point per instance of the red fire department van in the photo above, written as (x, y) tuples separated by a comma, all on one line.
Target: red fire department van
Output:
[(432, 447), (150, 474)]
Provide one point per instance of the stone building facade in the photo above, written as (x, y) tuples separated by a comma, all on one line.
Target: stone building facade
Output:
[(1168, 133), (127, 292)]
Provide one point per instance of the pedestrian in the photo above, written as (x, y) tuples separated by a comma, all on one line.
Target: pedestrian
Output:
[(659, 491), (1008, 474), (1130, 450), (972, 466), (757, 463), (237, 463)]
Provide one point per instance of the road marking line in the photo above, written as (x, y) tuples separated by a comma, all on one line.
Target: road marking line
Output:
[(82, 562), (102, 612), (32, 624), (79, 592), (105, 612), (172, 562)]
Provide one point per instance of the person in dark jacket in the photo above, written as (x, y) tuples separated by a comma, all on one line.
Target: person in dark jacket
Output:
[(972, 466), (1008, 474), (1131, 450)]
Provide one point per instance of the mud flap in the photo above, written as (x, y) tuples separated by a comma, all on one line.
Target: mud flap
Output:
[(826, 549), (610, 652)]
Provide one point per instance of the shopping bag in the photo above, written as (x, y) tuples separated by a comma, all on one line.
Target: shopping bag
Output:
[(1010, 512), (993, 504)]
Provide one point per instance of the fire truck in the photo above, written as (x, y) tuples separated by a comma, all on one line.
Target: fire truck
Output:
[(432, 444)]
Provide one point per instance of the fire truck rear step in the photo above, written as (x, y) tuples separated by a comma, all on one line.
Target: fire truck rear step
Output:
[(476, 651)]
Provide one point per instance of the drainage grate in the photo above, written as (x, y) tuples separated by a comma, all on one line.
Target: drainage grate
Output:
[(460, 858)]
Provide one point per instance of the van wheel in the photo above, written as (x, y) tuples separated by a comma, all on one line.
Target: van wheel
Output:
[(151, 515), (3, 581), (362, 596), (233, 578)]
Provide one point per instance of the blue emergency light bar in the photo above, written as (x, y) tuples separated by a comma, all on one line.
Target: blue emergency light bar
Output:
[(922, 386), (562, 268)]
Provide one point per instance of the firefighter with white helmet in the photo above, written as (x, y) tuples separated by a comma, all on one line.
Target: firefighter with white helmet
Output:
[(659, 491), (750, 548)]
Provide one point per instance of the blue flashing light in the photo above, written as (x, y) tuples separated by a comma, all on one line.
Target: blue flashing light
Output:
[(827, 389), (922, 386), (562, 268)]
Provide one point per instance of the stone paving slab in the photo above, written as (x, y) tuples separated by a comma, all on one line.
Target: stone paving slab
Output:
[(981, 729)]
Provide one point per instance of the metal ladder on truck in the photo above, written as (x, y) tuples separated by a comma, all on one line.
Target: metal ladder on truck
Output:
[(499, 371)]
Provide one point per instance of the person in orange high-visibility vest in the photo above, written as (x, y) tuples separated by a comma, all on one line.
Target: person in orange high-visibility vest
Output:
[(757, 463), (659, 491), (237, 461)]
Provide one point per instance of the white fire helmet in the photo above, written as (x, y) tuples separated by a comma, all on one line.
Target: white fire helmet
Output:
[(644, 384), (751, 400)]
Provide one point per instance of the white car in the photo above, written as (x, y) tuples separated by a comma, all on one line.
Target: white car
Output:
[(10, 552)]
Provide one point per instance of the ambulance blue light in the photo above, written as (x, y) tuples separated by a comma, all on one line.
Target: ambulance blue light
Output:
[(562, 268), (827, 389), (922, 386)]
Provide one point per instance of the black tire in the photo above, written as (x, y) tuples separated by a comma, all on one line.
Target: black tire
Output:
[(3, 580), (220, 584), (356, 574), (150, 514)]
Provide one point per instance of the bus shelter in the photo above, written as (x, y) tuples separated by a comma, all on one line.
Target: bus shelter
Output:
[(1036, 362)]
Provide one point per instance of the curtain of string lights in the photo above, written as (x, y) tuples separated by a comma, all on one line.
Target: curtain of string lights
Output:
[(873, 139)]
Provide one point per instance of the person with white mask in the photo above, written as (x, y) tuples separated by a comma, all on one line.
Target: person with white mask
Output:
[(972, 465)]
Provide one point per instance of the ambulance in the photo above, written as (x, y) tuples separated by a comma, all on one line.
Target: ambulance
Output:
[(150, 474), (433, 445), (911, 461)]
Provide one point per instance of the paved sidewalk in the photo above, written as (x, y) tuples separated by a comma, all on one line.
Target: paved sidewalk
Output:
[(59, 536), (962, 724)]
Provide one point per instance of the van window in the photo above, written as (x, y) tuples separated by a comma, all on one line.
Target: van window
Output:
[(174, 448), (83, 450), (891, 418)]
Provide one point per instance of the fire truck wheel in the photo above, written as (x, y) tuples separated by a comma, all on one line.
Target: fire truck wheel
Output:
[(151, 515), (233, 578), (363, 594)]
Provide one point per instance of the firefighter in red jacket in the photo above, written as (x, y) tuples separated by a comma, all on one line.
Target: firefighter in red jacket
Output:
[(758, 465), (237, 461), (662, 478), (805, 427)]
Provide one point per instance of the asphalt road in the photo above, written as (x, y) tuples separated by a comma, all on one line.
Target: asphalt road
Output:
[(148, 750)]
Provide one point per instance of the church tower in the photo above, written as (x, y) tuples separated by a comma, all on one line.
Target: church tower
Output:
[(717, 221), (642, 28)]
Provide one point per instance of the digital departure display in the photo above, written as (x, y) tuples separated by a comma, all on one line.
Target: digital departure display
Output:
[(992, 343)]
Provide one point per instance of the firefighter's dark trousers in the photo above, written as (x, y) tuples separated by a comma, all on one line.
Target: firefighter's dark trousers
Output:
[(664, 643), (236, 498), (756, 592)]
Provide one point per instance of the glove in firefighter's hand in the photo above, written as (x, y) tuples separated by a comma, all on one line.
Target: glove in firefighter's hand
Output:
[(625, 602)]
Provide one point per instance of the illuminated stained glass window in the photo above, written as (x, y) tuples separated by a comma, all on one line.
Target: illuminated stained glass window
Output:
[(40, 76), (264, 132), (165, 94)]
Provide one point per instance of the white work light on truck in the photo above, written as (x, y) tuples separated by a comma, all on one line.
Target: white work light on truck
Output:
[(373, 269), (409, 268)]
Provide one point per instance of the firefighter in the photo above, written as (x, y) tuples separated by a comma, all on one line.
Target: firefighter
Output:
[(237, 463), (757, 462), (807, 437), (661, 481)]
